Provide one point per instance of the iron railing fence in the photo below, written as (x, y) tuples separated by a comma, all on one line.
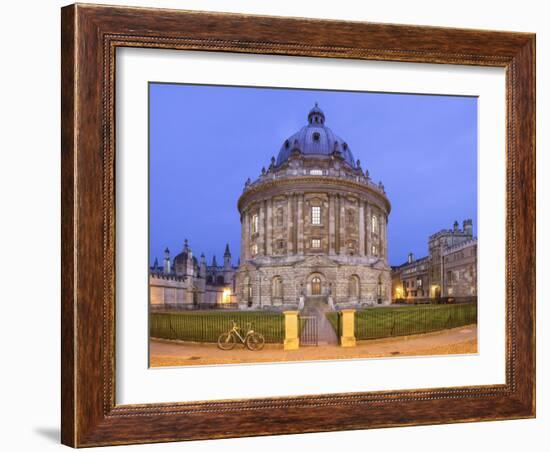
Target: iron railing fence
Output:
[(169, 307), (377, 323), (207, 326)]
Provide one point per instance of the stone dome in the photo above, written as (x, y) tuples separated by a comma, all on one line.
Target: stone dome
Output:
[(315, 139)]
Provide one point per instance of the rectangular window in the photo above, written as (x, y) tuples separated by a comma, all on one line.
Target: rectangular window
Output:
[(316, 243), (374, 224), (254, 223), (316, 172), (316, 215)]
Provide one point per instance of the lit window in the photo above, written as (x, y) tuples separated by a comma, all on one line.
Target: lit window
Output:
[(374, 250), (254, 223), (316, 172), (375, 224), (254, 249), (316, 215), (316, 243)]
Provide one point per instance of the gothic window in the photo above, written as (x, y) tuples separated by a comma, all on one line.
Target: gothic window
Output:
[(374, 224), (316, 215), (254, 223), (354, 286), (316, 243), (277, 287)]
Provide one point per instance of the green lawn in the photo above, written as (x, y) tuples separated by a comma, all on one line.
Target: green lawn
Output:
[(198, 326), (381, 322)]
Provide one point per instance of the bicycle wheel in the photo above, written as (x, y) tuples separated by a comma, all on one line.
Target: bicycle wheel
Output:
[(255, 342), (226, 341)]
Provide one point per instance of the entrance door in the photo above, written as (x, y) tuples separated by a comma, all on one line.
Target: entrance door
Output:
[(316, 286)]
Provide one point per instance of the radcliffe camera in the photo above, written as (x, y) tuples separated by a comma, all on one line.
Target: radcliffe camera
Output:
[(292, 225)]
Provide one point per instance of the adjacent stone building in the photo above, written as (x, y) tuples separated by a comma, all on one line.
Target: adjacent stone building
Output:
[(186, 282), (449, 271), (313, 227)]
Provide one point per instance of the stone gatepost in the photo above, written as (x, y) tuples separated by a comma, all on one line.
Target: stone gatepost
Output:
[(347, 327), (292, 340)]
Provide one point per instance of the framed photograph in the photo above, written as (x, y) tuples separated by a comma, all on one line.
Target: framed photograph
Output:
[(281, 225)]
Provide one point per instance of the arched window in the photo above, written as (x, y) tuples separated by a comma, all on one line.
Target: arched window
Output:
[(277, 287), (316, 286), (209, 279), (247, 290), (354, 287)]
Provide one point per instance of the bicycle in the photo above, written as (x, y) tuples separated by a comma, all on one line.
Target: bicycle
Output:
[(252, 340)]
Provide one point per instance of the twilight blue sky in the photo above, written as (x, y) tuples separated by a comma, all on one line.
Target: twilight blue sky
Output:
[(205, 141)]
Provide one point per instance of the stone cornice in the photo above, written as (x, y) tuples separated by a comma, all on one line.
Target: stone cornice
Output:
[(299, 184)]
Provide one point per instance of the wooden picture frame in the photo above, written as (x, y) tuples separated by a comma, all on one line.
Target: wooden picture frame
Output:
[(90, 35)]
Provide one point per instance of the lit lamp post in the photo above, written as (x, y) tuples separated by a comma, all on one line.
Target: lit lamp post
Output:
[(226, 296), (398, 293)]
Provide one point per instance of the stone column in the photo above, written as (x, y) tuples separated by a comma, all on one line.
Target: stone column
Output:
[(300, 224), (269, 247), (342, 232), (385, 217), (261, 229), (337, 224), (292, 340), (369, 230), (245, 247), (347, 327), (331, 225), (361, 228), (290, 227)]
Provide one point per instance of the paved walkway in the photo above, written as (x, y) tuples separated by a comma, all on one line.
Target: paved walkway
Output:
[(454, 341), (325, 332)]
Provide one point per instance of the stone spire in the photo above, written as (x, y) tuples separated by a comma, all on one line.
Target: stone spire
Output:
[(166, 267)]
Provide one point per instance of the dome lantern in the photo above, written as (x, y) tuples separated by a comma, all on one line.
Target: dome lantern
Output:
[(315, 139), (316, 115)]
